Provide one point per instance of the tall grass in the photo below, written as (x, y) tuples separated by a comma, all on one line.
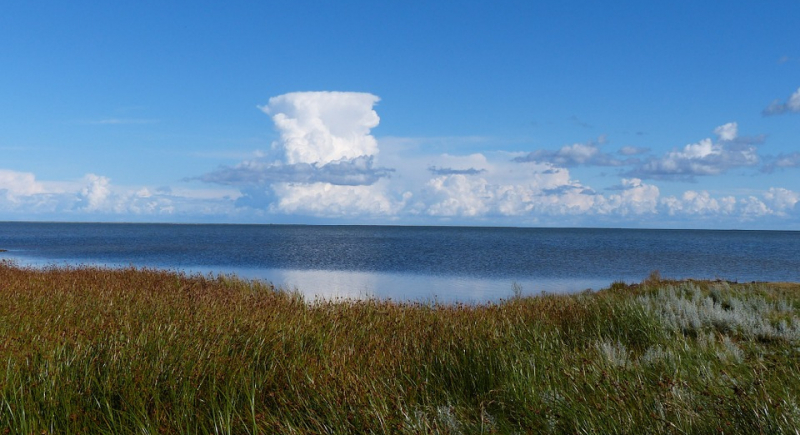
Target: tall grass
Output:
[(90, 350)]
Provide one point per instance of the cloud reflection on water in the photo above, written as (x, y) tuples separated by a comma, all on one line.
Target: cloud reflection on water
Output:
[(337, 284), (360, 285)]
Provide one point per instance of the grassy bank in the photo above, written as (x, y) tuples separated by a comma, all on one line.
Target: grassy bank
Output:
[(138, 351)]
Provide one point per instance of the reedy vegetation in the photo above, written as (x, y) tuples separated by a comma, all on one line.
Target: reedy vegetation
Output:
[(91, 350)]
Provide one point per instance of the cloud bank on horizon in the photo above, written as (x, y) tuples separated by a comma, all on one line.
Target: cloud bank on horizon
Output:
[(327, 166)]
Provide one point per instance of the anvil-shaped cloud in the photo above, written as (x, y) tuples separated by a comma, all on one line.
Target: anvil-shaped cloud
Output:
[(325, 152), (324, 138)]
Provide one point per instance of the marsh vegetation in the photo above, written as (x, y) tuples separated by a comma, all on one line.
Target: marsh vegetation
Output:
[(91, 350)]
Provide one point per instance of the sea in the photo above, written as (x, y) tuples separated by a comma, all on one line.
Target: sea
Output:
[(412, 263)]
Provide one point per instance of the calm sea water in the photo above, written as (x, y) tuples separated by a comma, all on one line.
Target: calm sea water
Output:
[(427, 263)]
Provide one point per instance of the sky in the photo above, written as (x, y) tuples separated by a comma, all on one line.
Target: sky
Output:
[(680, 114)]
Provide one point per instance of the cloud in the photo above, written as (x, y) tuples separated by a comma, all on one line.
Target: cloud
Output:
[(325, 165), (727, 132), (633, 151), (336, 201), (530, 190), (94, 196), (781, 200), (21, 194), (14, 184), (775, 202), (706, 157), (781, 161), (578, 154), (634, 198), (325, 155), (459, 195), (322, 127), (449, 171), (792, 105), (348, 172), (699, 203)]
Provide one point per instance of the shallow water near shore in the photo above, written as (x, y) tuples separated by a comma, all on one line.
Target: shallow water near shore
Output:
[(470, 264)]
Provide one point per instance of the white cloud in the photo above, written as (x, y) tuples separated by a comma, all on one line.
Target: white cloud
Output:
[(753, 207), (322, 165), (778, 202), (696, 203), (531, 190), (578, 154), (322, 127), (459, 195), (777, 107), (320, 130), (794, 101), (781, 200), (95, 193), (727, 132), (499, 187), (336, 201), (635, 198), (15, 184), (703, 158)]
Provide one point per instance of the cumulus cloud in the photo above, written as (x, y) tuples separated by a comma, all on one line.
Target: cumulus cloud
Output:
[(459, 195), (325, 156), (699, 203), (727, 132), (775, 202), (636, 197), (336, 201), (588, 154), (325, 164), (791, 105), (781, 200), (322, 127), (531, 190), (15, 184), (94, 195), (706, 157)]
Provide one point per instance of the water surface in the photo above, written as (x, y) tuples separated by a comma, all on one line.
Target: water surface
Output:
[(444, 263)]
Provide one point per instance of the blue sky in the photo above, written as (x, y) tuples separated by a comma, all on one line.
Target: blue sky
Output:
[(631, 114)]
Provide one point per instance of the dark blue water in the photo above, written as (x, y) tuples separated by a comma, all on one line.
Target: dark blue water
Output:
[(448, 263)]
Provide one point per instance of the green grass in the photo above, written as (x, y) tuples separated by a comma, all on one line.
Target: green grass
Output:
[(90, 350)]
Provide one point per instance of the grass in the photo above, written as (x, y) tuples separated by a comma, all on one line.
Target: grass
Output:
[(91, 350)]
